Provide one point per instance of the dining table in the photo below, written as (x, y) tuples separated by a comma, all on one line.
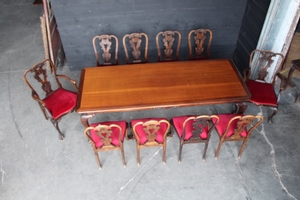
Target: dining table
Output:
[(142, 86)]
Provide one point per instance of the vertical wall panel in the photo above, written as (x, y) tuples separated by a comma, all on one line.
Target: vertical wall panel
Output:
[(80, 20), (251, 27)]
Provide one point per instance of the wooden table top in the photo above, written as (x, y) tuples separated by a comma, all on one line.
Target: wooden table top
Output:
[(159, 85)]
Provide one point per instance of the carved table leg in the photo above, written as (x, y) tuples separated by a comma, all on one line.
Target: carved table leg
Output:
[(84, 118), (296, 65), (240, 107), (291, 71)]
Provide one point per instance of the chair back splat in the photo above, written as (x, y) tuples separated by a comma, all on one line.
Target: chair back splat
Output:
[(200, 47), (260, 78), (150, 133), (236, 127), (194, 129), (139, 44), (171, 41), (107, 136), (105, 45), (54, 100)]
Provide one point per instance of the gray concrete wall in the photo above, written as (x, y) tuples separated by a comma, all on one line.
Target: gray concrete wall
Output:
[(79, 21)]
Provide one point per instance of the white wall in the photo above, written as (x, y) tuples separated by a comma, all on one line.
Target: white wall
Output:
[(278, 29)]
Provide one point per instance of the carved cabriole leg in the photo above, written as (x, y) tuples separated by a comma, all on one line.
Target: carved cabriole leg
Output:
[(291, 71), (98, 160), (55, 124), (240, 107), (180, 150), (84, 119), (270, 119), (297, 98)]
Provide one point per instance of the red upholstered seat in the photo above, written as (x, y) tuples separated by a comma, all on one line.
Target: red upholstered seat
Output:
[(236, 127), (222, 125), (107, 136), (262, 93), (114, 136), (266, 66), (55, 102), (178, 124), (150, 132), (143, 136), (60, 102), (194, 129)]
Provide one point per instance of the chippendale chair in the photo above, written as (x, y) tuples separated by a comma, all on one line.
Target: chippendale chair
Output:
[(236, 127), (200, 47), (105, 45), (55, 101), (194, 129), (261, 83), (171, 40), (150, 133), (107, 136), (137, 42)]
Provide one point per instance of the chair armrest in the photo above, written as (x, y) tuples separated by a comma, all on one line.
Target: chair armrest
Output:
[(36, 97), (247, 72), (70, 80)]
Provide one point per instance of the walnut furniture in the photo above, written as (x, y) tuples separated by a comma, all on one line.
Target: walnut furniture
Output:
[(54, 100), (159, 85)]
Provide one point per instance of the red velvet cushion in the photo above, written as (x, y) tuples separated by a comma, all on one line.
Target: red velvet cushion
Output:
[(224, 120), (141, 133), (114, 136), (262, 93), (178, 125), (60, 102)]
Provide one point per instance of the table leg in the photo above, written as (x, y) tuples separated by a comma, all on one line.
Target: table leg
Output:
[(289, 83), (291, 71), (240, 107), (84, 118)]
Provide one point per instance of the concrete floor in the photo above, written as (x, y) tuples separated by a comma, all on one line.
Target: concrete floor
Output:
[(36, 165)]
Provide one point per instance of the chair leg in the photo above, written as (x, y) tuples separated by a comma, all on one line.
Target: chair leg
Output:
[(123, 156), (44, 112), (242, 148), (218, 150), (98, 160), (164, 153), (138, 155), (60, 134), (270, 119), (205, 149), (180, 151)]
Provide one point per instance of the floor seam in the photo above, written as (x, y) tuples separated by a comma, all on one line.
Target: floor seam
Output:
[(130, 180), (272, 154), (244, 184)]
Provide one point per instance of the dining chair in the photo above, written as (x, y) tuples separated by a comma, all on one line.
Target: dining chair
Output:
[(260, 79), (171, 40), (150, 132), (107, 136), (139, 44), (236, 127), (104, 43), (200, 47), (54, 100), (194, 129)]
